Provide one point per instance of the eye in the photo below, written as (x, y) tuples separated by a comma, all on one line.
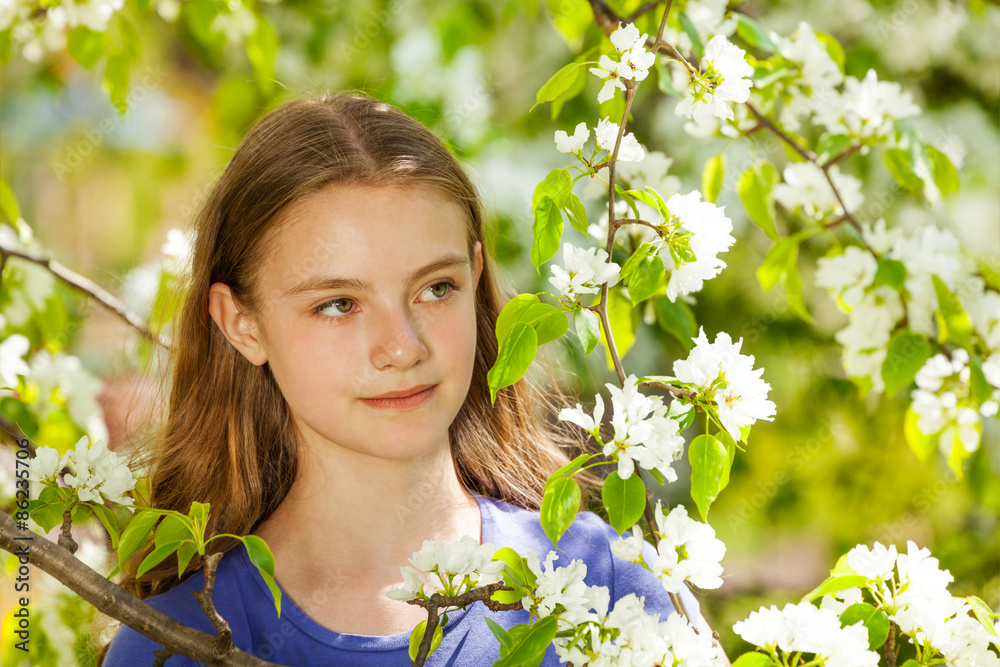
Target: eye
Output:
[(334, 303), (446, 293)]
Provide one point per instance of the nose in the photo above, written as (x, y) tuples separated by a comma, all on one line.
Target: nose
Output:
[(397, 339)]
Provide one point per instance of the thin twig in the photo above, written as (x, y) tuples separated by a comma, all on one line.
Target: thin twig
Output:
[(91, 289), (109, 598), (204, 597), (66, 540)]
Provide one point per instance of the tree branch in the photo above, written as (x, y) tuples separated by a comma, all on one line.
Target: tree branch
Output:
[(109, 598), (91, 289), (436, 601)]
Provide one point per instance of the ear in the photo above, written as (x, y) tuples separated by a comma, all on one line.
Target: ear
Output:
[(237, 327), (479, 263)]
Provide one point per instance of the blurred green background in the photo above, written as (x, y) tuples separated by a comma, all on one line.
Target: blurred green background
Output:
[(101, 191)]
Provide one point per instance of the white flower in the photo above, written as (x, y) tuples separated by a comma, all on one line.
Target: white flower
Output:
[(627, 37), (629, 548), (637, 61), (607, 134), (98, 471), (867, 108), (579, 417), (451, 564), (12, 363), (688, 551), (739, 392), (565, 586), (805, 186), (584, 273), (723, 80), (609, 71), (644, 433), (572, 144), (875, 563), (45, 465), (847, 275), (709, 232)]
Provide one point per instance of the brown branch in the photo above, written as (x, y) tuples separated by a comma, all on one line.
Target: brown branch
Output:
[(676, 391), (66, 540), (766, 122), (91, 289), (112, 600), (436, 601), (645, 9), (890, 646), (204, 597)]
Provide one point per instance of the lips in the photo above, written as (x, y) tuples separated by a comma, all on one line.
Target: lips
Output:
[(404, 392)]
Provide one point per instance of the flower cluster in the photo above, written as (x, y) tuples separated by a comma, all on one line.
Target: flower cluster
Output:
[(633, 61), (645, 432), (457, 566), (562, 591), (40, 32), (723, 79), (583, 272), (95, 471), (724, 377), (912, 589), (943, 400), (687, 551), (805, 628), (806, 188), (697, 232), (606, 134), (819, 74), (867, 109)]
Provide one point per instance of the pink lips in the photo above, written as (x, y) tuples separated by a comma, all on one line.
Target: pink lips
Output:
[(399, 402)]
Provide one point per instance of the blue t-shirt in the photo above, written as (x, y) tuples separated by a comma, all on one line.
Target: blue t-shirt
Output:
[(243, 599)]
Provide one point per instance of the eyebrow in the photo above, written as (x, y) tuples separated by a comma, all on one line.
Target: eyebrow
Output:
[(329, 283)]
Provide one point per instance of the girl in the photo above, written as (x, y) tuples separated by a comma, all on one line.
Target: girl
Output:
[(330, 395)]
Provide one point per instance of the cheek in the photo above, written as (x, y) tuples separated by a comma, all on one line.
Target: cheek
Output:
[(311, 364)]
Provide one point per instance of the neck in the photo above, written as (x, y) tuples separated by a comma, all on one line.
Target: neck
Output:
[(356, 513)]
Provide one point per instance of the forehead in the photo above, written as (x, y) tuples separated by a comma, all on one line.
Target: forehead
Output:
[(360, 231)]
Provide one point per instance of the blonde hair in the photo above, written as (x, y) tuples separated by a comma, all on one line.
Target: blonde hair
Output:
[(227, 438)]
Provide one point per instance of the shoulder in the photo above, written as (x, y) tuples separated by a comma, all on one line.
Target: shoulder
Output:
[(131, 648), (588, 539)]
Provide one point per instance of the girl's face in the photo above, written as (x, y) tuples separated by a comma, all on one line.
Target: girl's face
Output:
[(369, 291)]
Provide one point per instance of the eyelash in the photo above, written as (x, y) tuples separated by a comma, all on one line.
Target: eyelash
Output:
[(332, 318)]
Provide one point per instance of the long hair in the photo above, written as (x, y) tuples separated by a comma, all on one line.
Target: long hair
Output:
[(227, 438)]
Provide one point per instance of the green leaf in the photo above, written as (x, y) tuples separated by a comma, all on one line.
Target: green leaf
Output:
[(558, 83), (781, 255), (944, 173), (557, 185), (646, 279), (108, 520), (534, 642), (981, 389), (517, 351), (953, 323), (551, 327), (873, 619), (417, 638), (86, 46), (8, 203), (755, 186), (184, 556), (135, 534), (522, 308), (632, 263), (588, 328), (157, 556), (959, 454), (834, 584), (906, 353), (753, 660), (560, 504), (502, 636), (516, 572), (730, 445), (199, 513), (921, 443), (625, 500), (676, 318), (833, 48), (47, 515), (116, 74), (713, 175), (577, 213), (546, 231), (900, 164), (753, 33), (983, 613), (708, 458), (570, 468), (173, 529), (262, 558), (891, 272)]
